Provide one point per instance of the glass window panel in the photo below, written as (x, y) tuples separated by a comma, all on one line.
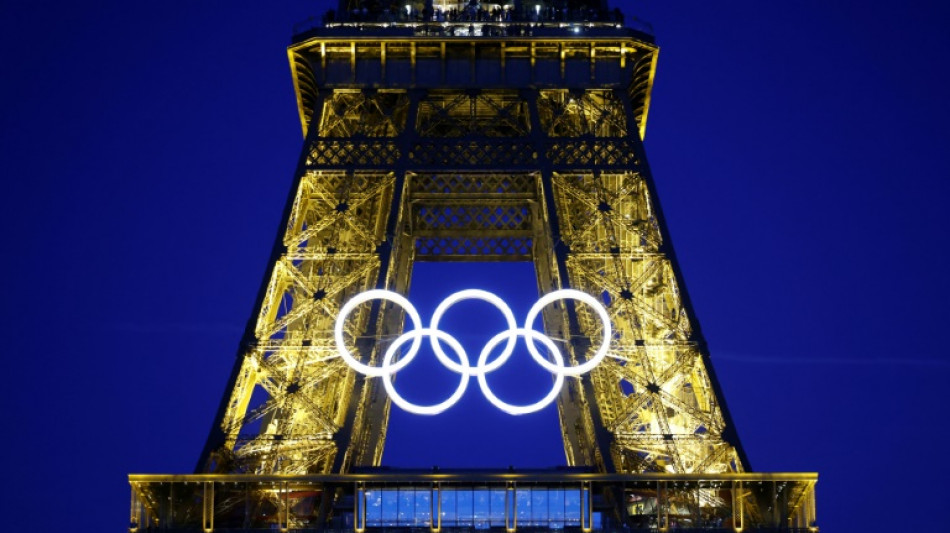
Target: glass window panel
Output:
[(423, 509), (449, 516), (374, 508), (556, 507), (406, 506), (497, 515), (482, 508), (390, 506), (572, 506), (539, 507), (523, 506), (466, 514)]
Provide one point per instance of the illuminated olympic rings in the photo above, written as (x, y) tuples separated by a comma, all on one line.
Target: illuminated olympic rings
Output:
[(460, 365)]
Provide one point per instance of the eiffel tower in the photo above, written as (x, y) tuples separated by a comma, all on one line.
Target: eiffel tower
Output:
[(457, 131)]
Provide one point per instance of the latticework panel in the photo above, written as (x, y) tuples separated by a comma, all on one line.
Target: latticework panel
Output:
[(488, 154), (479, 219), (470, 216), (360, 113), (596, 112), (591, 153), (473, 249), (464, 184), (482, 113), (653, 392), (380, 154), (285, 409)]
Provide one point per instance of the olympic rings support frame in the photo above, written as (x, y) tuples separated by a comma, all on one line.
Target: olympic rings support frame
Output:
[(391, 365)]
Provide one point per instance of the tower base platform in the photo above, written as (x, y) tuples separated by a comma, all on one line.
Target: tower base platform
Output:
[(558, 500)]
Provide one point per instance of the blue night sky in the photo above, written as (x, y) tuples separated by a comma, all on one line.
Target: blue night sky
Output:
[(799, 149)]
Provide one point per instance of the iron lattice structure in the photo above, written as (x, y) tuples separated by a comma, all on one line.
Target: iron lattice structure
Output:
[(465, 142), (473, 135)]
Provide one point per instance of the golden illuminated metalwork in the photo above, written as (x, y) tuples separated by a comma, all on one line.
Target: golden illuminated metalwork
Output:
[(650, 502), (508, 134), (473, 148)]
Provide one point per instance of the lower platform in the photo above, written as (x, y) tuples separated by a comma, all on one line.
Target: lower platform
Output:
[(553, 501)]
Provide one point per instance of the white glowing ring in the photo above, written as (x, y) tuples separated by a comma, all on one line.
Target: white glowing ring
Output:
[(485, 296), (482, 367), (601, 313), (417, 335), (543, 402), (376, 294)]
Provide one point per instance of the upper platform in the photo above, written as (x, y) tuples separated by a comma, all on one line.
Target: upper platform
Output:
[(465, 46), (498, 18)]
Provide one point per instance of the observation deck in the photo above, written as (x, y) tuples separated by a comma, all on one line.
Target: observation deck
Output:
[(459, 15), (505, 47)]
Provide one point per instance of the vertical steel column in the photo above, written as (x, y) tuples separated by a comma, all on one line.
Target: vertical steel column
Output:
[(698, 511), (359, 507), (662, 507), (511, 508), (216, 436), (729, 434), (737, 506), (207, 506), (812, 515), (284, 499), (435, 508), (586, 506), (551, 277), (135, 512), (577, 403), (363, 445)]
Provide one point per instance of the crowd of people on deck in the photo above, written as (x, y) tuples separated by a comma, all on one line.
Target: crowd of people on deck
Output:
[(474, 11)]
